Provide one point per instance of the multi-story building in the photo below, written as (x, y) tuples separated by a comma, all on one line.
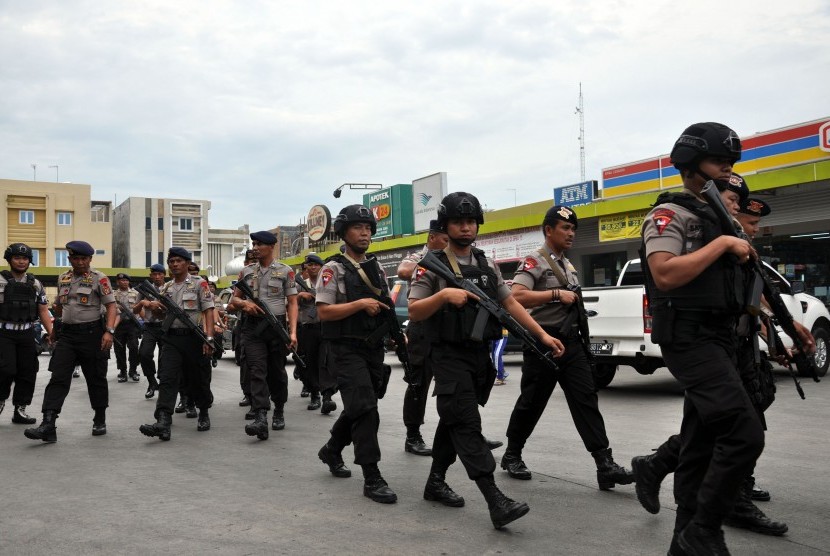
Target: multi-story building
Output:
[(224, 246), (290, 240), (145, 228), (45, 216)]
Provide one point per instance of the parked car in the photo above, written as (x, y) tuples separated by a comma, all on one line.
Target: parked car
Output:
[(620, 323)]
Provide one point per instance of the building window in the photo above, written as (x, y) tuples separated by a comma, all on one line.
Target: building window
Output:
[(100, 251), (148, 223), (64, 219), (185, 224), (61, 257), (27, 217), (35, 257), (161, 257), (148, 261), (161, 223)]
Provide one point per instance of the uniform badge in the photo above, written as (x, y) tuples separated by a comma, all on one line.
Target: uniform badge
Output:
[(205, 290), (419, 271), (565, 212), (291, 275), (529, 264), (662, 218), (326, 276), (105, 286), (84, 299)]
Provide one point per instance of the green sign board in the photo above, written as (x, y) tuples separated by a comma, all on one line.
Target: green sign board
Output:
[(392, 208)]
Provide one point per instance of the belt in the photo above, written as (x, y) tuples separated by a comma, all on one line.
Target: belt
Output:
[(16, 325), (179, 332), (81, 326), (152, 324), (310, 324)]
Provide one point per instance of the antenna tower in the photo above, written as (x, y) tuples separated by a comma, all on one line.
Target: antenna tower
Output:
[(581, 111)]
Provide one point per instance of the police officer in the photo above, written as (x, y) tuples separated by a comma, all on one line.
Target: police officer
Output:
[(22, 302), (150, 339), (757, 380), (126, 333), (308, 333), (272, 282), (696, 291), (183, 354), (545, 284), (462, 367), (82, 292), (353, 329), (244, 375), (415, 402)]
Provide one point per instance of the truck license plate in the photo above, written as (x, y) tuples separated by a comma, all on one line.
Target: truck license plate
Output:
[(602, 349)]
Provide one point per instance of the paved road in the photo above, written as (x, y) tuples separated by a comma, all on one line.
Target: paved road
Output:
[(223, 492)]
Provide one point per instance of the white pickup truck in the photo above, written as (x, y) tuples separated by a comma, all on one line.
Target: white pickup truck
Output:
[(620, 323)]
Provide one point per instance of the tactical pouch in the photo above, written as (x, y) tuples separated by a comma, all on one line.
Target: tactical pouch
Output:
[(384, 381), (662, 324)]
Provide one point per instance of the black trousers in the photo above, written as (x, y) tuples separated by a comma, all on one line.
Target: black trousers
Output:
[(78, 346), (359, 371), (721, 436), (265, 359), (181, 356), (18, 365), (147, 351), (418, 346), (537, 385), (126, 338), (308, 346), (464, 376)]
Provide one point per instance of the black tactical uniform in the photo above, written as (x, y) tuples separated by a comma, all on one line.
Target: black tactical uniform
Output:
[(81, 298), (19, 301), (126, 334), (721, 436), (544, 271), (181, 353), (355, 354), (150, 340)]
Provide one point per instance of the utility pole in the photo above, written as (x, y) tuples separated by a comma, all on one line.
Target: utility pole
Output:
[(34, 170), (581, 111)]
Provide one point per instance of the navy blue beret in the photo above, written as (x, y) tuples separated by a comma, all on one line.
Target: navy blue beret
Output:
[(264, 237), (434, 226), (157, 268), (754, 207), (122, 276), (314, 258), (179, 252), (80, 248)]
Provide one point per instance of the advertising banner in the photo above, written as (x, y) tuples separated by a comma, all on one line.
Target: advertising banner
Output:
[(392, 208), (427, 193), (318, 222), (575, 194), (621, 226), (380, 203)]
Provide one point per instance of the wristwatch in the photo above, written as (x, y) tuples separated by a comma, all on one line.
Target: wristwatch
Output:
[(111, 330), (210, 338)]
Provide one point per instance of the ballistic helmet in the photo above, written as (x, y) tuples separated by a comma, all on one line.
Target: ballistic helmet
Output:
[(18, 250), (353, 214), (459, 205), (705, 139)]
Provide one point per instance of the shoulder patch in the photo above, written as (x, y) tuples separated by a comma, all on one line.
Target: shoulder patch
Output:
[(105, 286), (662, 218), (326, 275), (529, 264), (419, 271)]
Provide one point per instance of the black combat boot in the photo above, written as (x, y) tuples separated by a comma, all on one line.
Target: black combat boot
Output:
[(375, 488), (746, 515), (245, 401), (152, 388), (47, 431), (20, 417), (493, 444), (503, 510), (609, 473), (278, 420), (134, 376), (755, 492), (99, 423), (696, 540), (182, 406), (203, 424), (414, 444), (516, 468), (315, 402), (160, 428), (329, 455), (259, 427), (190, 409), (305, 393), (329, 405), (648, 472), (122, 376), (437, 490)]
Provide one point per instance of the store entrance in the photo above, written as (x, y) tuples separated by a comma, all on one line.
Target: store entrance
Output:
[(603, 269), (804, 257)]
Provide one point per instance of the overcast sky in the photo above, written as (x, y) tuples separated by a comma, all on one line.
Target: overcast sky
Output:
[(264, 108)]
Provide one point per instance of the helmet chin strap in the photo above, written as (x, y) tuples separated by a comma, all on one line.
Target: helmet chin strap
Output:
[(355, 249), (462, 242), (701, 173)]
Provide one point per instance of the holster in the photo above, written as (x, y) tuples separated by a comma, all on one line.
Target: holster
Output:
[(662, 324), (384, 381)]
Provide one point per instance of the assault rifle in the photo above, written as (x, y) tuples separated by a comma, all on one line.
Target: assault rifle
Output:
[(805, 364), (577, 315), (174, 312), (128, 313), (487, 307), (271, 321)]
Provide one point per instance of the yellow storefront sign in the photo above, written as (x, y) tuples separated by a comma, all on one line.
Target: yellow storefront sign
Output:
[(621, 226)]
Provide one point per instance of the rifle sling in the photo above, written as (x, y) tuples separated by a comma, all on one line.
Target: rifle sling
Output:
[(363, 276)]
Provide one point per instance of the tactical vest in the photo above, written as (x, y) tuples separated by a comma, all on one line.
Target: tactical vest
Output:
[(453, 324), (19, 299), (360, 325), (721, 288)]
